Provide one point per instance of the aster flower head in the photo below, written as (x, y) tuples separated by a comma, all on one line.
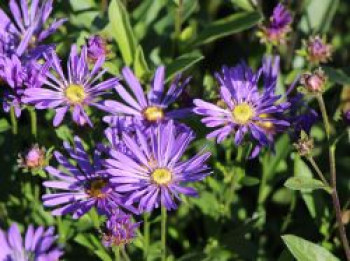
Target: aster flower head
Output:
[(24, 29), (278, 28), (317, 50), (154, 174), (74, 91), (81, 186), (119, 230), (97, 47), (245, 110), (152, 108), (37, 245)]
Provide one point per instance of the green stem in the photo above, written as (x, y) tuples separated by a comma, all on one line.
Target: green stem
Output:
[(238, 169), (146, 235), (318, 171), (33, 122), (124, 254), (332, 163), (13, 121), (263, 181), (116, 253), (178, 20), (163, 232)]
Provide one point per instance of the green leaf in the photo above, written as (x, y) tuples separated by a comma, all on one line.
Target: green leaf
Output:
[(244, 4), (182, 63), (4, 125), (227, 26), (339, 76), (318, 16), (303, 183), (122, 31), (103, 255), (250, 181), (304, 250), (140, 65)]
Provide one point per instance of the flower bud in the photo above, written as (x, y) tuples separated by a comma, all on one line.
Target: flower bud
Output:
[(314, 82), (97, 47), (318, 51), (304, 145), (33, 159)]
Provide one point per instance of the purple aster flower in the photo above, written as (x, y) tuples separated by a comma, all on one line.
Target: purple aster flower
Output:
[(75, 91), (154, 174), (279, 26), (97, 47), (81, 186), (37, 245), (25, 28), (244, 109), (318, 51), (119, 230), (154, 107)]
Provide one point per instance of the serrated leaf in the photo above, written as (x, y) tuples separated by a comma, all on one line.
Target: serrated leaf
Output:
[(304, 250), (121, 30), (227, 26), (303, 183), (182, 63)]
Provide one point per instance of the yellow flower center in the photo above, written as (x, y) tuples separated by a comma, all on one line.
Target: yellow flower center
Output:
[(161, 176), (242, 113), (95, 188), (75, 93), (153, 113)]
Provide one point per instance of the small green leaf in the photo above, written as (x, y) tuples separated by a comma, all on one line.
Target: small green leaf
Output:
[(244, 4), (227, 26), (182, 63), (140, 65), (304, 250), (303, 183), (103, 255), (250, 181), (4, 125), (122, 31)]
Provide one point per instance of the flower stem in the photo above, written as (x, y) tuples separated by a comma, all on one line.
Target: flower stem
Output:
[(318, 171), (124, 254), (335, 198), (33, 122), (163, 232), (13, 121), (146, 235), (117, 253)]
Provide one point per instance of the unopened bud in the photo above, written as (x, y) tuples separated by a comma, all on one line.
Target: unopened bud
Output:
[(318, 51), (304, 145), (314, 82)]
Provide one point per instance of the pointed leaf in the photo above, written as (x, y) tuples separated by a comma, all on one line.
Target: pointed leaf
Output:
[(304, 250), (303, 183)]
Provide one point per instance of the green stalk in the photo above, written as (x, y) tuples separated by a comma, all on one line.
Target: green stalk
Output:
[(146, 235), (333, 172), (163, 232), (13, 121), (116, 253), (124, 254), (33, 122)]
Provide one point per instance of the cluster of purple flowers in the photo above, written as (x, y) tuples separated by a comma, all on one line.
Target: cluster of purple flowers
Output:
[(142, 167)]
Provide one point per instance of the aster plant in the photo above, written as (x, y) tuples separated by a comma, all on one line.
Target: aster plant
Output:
[(77, 90), (244, 110), (154, 107), (82, 186), (38, 244)]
